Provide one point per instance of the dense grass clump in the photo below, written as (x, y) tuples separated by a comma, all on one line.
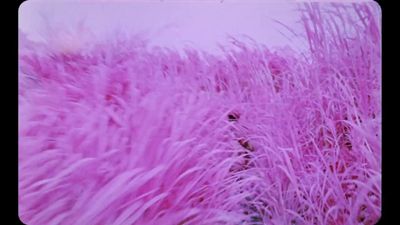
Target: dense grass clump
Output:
[(119, 132)]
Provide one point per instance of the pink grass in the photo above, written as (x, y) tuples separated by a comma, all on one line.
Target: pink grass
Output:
[(121, 133)]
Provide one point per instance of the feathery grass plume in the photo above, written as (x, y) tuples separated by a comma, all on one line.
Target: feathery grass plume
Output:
[(118, 132)]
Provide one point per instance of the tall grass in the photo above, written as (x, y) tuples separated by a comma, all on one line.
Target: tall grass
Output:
[(122, 133)]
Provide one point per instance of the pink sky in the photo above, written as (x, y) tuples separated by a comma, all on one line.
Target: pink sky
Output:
[(171, 24)]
